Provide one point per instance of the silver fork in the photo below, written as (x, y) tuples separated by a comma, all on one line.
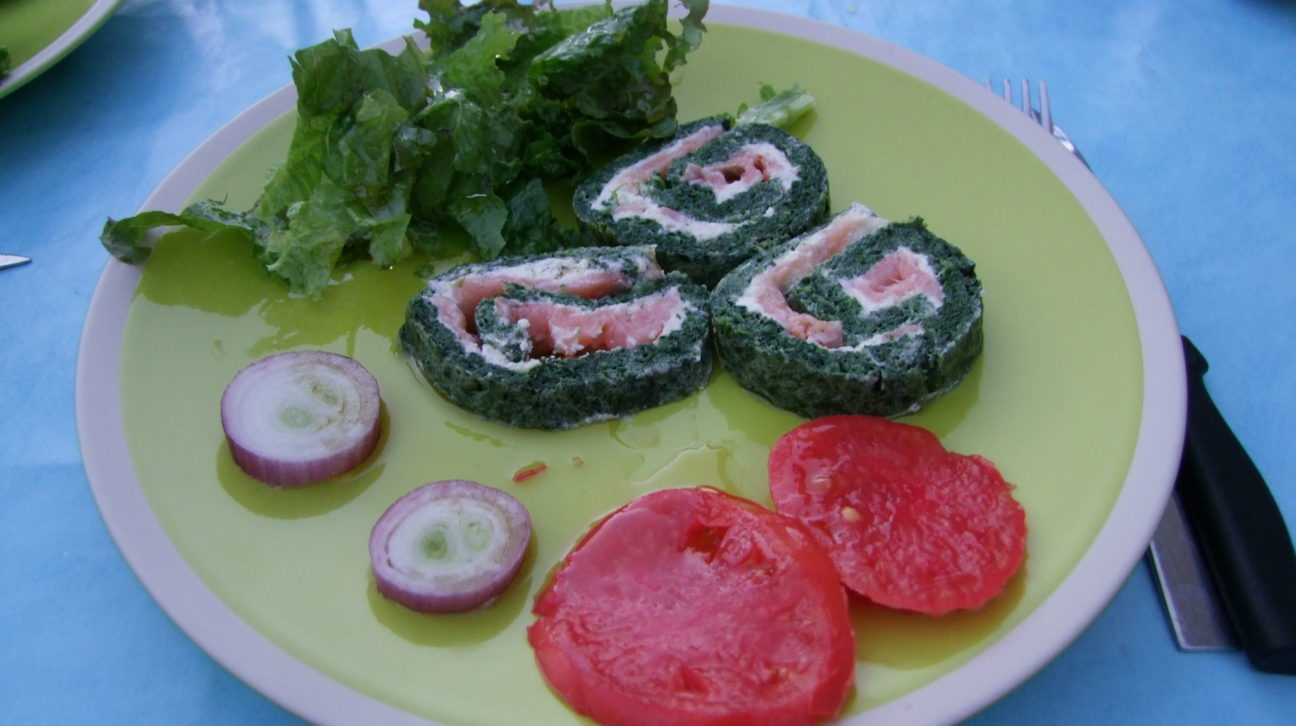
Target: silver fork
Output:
[(1043, 116)]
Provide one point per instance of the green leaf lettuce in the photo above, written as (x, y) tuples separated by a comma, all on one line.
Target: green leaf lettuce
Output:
[(393, 154)]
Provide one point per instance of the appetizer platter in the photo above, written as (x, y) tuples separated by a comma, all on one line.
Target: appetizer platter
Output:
[(1055, 390)]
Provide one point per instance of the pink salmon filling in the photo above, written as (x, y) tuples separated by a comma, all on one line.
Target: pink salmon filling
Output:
[(768, 289), (570, 330), (750, 166), (633, 176), (747, 168), (901, 274), (670, 219), (457, 300)]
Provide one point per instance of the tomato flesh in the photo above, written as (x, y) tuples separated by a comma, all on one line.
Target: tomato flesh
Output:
[(691, 606), (908, 524)]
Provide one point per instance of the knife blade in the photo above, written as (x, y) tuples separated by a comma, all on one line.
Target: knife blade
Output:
[(1188, 593), (13, 261), (1244, 540)]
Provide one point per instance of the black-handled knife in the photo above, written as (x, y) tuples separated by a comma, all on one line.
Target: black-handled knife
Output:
[(1243, 537)]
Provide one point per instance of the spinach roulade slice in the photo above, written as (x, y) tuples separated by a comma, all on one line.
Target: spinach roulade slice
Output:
[(860, 315), (708, 198), (561, 341)]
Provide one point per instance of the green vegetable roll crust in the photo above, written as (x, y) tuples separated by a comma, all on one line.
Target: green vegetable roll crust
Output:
[(515, 341), (857, 316), (709, 198)]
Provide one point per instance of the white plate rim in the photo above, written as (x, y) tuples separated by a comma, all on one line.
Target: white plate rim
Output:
[(1014, 658), (65, 43)]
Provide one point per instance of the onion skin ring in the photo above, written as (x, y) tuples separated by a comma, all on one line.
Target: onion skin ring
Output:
[(391, 567), (282, 467)]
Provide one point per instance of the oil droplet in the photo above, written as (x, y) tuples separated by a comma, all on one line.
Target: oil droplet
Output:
[(474, 435), (634, 435)]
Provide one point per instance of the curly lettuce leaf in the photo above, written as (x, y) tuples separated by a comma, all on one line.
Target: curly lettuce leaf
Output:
[(397, 153), (778, 108), (450, 24), (127, 239), (606, 84), (531, 227)]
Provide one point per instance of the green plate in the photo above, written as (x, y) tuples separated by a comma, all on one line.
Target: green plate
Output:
[(39, 33), (1075, 399)]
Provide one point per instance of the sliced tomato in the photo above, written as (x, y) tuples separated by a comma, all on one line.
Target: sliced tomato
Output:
[(908, 524), (691, 606)]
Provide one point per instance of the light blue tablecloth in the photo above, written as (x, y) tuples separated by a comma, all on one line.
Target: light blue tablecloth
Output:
[(1185, 109)]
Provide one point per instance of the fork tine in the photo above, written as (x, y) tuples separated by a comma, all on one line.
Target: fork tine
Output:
[(1044, 117), (1006, 92), (1025, 104), (1046, 113)]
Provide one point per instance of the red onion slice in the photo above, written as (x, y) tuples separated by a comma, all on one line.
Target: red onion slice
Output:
[(449, 546), (301, 417)]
